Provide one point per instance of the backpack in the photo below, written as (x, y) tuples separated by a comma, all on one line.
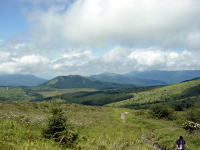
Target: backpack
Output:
[(181, 144)]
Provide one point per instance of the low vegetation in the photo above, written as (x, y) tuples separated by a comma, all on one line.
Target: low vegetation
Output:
[(22, 126), (162, 111), (185, 94), (18, 94), (32, 121)]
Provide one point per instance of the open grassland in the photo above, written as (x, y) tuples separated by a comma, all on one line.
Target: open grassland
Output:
[(57, 92), (98, 98), (99, 128), (180, 91), (17, 94)]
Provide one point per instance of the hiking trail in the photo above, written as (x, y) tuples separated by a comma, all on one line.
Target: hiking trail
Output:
[(150, 142), (123, 116)]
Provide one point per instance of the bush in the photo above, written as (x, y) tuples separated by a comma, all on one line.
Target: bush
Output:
[(193, 115), (59, 131), (162, 111), (191, 126)]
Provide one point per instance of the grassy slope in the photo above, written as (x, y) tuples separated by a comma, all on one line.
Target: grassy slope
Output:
[(163, 94), (100, 128), (17, 93), (57, 92), (76, 81), (98, 98)]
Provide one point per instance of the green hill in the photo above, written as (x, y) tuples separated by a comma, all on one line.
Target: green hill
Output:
[(76, 81), (17, 94), (124, 79), (96, 98), (185, 93)]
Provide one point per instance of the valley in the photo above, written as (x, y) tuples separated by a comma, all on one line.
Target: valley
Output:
[(117, 118)]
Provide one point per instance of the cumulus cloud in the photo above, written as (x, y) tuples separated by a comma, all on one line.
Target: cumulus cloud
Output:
[(86, 62), (27, 64), (131, 22), (137, 35)]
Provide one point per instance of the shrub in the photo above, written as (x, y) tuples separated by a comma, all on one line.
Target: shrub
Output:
[(59, 130), (178, 107), (191, 126), (162, 111), (193, 115)]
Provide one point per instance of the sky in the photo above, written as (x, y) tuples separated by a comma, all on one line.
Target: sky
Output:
[(49, 38)]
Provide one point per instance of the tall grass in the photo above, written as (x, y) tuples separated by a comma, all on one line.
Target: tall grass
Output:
[(99, 128)]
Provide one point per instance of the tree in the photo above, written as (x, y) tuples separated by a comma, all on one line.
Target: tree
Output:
[(59, 130)]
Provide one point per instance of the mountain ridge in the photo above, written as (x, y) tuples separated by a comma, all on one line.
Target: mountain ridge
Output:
[(20, 80), (77, 81)]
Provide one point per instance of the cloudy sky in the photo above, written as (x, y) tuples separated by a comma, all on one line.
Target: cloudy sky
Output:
[(60, 37)]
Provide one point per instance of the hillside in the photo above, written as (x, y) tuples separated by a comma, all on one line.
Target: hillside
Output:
[(99, 128), (17, 94), (168, 77), (20, 80), (95, 98), (76, 81), (184, 94), (123, 79)]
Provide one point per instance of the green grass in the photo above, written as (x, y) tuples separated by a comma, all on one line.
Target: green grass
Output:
[(97, 98), (17, 93), (57, 92), (163, 94), (99, 128)]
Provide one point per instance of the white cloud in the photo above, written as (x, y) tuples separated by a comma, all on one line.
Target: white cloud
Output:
[(117, 60), (129, 22), (138, 35), (19, 46), (31, 64)]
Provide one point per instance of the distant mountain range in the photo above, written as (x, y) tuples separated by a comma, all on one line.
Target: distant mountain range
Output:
[(168, 77), (20, 80), (149, 78), (76, 81), (127, 79), (104, 80)]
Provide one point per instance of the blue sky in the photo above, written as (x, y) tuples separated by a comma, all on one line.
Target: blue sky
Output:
[(60, 37), (13, 21)]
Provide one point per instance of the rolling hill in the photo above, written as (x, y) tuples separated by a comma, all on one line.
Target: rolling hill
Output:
[(20, 80), (96, 98), (186, 94), (124, 79), (168, 77), (18, 94), (76, 81)]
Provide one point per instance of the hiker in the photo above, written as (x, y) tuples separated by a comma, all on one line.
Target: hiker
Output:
[(180, 143)]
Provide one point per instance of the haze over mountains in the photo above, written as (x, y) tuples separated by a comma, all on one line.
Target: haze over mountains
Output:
[(20, 80), (104, 80), (168, 77), (76, 81), (126, 79)]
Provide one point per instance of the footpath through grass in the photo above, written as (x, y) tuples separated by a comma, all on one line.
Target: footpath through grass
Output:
[(99, 128)]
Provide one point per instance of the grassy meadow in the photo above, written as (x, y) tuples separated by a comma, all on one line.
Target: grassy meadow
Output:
[(17, 94), (99, 128), (167, 94), (57, 92)]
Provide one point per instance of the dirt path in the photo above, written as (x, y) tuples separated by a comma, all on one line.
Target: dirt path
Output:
[(143, 138), (150, 143), (123, 116)]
